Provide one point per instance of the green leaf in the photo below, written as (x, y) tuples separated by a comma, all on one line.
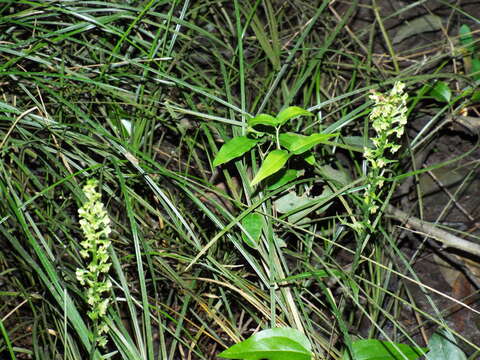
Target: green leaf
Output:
[(476, 68), (281, 178), (291, 202), (309, 142), (298, 144), (290, 113), (372, 349), (299, 207), (253, 224), (309, 157), (340, 177), (441, 92), (263, 119), (234, 148), (466, 38), (475, 96), (287, 140), (272, 163), (272, 344), (443, 346)]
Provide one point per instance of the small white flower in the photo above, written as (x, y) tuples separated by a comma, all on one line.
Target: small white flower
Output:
[(102, 307), (395, 148), (80, 274), (381, 163), (103, 328)]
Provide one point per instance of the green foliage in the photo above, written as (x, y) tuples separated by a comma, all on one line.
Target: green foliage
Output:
[(291, 113), (253, 224), (443, 346), (466, 38), (298, 144), (295, 144), (281, 178), (476, 68), (272, 344), (273, 163), (471, 55), (263, 119), (233, 149), (139, 94), (372, 349), (441, 92)]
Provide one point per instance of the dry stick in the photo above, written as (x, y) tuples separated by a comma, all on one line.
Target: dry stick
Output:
[(442, 236)]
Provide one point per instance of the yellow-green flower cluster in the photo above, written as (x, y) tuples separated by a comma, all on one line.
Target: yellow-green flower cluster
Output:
[(95, 224), (388, 117)]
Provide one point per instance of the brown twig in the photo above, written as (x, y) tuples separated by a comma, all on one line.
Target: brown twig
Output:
[(447, 239)]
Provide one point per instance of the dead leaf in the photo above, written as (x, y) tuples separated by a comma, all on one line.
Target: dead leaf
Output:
[(417, 26)]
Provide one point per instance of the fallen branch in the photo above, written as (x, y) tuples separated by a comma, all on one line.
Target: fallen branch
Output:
[(447, 239)]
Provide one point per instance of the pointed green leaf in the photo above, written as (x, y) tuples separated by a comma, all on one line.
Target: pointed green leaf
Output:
[(309, 142), (253, 224), (298, 144), (272, 344), (290, 113), (372, 349), (466, 38), (262, 119), (234, 148), (441, 92), (291, 140), (281, 178), (443, 346), (287, 140), (272, 163)]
